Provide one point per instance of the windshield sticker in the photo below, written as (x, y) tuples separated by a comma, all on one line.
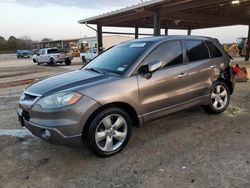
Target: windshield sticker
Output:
[(121, 69), (137, 45)]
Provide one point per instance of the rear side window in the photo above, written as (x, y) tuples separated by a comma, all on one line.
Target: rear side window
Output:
[(196, 50), (214, 51), (170, 53), (53, 51)]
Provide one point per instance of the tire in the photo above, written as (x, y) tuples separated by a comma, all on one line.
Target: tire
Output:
[(84, 59), (114, 128), (67, 62), (52, 62), (219, 98), (34, 60)]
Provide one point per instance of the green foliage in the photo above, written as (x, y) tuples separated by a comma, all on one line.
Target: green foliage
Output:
[(13, 44), (3, 43)]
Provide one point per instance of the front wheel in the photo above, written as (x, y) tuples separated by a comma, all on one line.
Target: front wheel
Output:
[(109, 132), (219, 98)]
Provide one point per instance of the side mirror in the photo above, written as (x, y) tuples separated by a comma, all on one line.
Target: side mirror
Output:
[(154, 65), (38, 54), (147, 70)]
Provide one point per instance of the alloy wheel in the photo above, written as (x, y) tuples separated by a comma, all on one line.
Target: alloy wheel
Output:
[(111, 132), (219, 97)]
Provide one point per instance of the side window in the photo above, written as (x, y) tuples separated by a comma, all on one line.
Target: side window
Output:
[(170, 53), (196, 50), (214, 51), (43, 52)]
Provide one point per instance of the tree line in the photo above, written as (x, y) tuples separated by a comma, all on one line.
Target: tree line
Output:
[(12, 44)]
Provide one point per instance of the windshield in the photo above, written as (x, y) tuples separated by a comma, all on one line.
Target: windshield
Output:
[(119, 58)]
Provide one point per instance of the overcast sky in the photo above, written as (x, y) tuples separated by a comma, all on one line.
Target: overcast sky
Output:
[(57, 19)]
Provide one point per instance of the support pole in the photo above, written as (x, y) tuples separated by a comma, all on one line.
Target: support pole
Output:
[(62, 46), (166, 31), (99, 39), (248, 45), (136, 32), (189, 32), (157, 23)]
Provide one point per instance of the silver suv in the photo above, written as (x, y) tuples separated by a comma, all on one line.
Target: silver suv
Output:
[(128, 85)]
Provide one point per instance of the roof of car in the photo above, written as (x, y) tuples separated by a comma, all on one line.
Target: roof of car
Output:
[(170, 37), (50, 48)]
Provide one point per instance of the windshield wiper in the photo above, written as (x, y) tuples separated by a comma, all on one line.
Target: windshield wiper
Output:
[(94, 70)]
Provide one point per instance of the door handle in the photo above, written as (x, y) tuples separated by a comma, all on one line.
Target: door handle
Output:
[(182, 75)]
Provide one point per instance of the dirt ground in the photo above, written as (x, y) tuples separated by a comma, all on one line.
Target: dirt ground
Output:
[(186, 149)]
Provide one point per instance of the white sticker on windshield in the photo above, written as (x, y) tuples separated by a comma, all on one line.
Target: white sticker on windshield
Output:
[(137, 45), (121, 69)]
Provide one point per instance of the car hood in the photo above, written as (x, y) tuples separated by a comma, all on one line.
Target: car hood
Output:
[(75, 80)]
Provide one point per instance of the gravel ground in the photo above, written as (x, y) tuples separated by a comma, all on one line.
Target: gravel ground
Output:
[(186, 149)]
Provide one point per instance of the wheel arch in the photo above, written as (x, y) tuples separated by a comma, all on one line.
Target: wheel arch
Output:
[(52, 58), (124, 106), (225, 78)]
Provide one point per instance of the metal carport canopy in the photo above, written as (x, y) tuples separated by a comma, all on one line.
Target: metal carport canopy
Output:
[(175, 14)]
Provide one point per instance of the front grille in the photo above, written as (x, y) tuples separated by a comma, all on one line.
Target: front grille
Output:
[(28, 97), (26, 115)]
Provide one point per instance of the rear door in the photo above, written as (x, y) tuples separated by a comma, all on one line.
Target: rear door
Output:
[(202, 70), (169, 86)]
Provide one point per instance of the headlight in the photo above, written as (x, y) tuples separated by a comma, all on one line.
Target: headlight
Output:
[(22, 97), (59, 100)]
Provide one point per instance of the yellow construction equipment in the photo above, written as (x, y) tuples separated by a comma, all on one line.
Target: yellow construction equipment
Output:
[(232, 49)]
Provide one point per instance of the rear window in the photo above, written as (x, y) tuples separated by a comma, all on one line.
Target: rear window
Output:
[(53, 51), (196, 50), (214, 51)]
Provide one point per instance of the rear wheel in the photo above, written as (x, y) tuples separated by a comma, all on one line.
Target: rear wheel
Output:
[(109, 132), (219, 98), (84, 59), (67, 62)]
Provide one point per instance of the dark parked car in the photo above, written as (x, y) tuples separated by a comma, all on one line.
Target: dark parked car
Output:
[(24, 54), (128, 85)]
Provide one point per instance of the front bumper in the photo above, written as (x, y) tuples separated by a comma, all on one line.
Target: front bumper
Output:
[(63, 126), (55, 136)]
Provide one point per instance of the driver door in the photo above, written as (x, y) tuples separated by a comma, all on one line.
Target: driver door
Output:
[(168, 85), (40, 58)]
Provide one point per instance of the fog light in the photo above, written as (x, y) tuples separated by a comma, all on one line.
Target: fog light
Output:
[(46, 134)]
